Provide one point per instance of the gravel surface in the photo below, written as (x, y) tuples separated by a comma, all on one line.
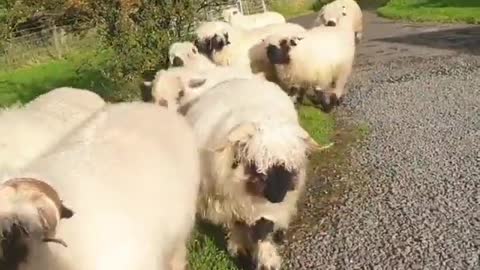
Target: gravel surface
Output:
[(415, 201)]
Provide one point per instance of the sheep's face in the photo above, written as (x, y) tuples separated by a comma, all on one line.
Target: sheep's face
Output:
[(212, 44), (273, 185), (181, 53), (332, 14), (245, 159), (229, 13), (173, 88), (278, 53)]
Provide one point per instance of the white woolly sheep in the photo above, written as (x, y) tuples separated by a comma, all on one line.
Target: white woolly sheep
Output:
[(247, 22), (342, 13), (254, 159), (320, 60), (230, 46), (186, 54), (30, 130), (131, 183), (178, 86)]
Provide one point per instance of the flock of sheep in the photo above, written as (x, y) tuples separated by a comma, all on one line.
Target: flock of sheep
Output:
[(221, 141)]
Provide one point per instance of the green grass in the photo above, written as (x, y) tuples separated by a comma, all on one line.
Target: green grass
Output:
[(445, 11), (292, 8), (22, 85), (26, 83)]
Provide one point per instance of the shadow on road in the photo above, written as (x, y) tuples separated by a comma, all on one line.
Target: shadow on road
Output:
[(466, 40)]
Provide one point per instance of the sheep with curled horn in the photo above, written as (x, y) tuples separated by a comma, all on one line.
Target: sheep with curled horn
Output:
[(131, 173)]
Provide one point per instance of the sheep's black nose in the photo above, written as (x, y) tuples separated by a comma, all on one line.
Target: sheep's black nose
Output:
[(177, 62), (278, 183), (276, 55), (331, 23)]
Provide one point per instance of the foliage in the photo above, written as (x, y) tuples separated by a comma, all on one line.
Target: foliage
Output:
[(291, 9), (140, 32)]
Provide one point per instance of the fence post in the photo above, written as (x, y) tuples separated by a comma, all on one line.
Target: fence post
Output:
[(264, 6), (56, 41), (241, 6)]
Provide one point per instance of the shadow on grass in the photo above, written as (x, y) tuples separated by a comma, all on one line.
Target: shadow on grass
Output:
[(464, 40)]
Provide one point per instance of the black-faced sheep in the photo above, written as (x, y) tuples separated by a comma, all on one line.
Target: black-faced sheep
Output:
[(230, 46), (343, 14), (319, 60), (178, 86), (254, 160), (186, 54)]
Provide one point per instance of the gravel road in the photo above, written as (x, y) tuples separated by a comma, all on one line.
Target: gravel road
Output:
[(416, 197)]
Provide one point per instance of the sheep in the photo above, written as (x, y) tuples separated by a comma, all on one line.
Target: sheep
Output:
[(247, 22), (230, 46), (342, 13), (129, 186), (320, 60), (30, 130), (176, 87), (186, 54), (254, 159)]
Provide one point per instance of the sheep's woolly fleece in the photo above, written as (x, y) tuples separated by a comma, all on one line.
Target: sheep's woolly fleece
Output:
[(274, 143)]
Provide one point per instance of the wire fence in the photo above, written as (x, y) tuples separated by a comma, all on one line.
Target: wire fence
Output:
[(38, 43)]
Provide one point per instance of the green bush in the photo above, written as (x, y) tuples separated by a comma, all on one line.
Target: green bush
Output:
[(139, 35)]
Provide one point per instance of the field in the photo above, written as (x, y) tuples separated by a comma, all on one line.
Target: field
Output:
[(447, 11)]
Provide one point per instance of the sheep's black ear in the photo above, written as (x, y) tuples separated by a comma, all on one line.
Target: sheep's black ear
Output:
[(235, 12), (177, 62), (227, 41), (65, 212), (197, 82)]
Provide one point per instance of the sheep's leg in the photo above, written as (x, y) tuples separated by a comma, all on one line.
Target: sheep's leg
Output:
[(179, 257), (339, 84), (237, 243), (296, 94), (358, 37), (264, 250)]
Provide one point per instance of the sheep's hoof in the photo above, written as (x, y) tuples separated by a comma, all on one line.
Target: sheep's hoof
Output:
[(340, 100), (279, 236), (267, 257), (327, 101)]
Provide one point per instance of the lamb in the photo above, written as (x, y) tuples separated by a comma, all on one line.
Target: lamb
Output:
[(230, 46), (186, 54), (176, 87), (342, 13), (129, 186), (320, 60), (30, 130), (247, 22), (254, 160)]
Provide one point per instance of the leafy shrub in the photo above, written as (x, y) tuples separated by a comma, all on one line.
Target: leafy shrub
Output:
[(138, 33)]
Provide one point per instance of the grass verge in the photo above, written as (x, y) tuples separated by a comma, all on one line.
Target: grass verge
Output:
[(445, 11), (291, 9), (22, 85)]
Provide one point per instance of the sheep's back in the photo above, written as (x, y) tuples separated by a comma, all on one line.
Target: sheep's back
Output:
[(131, 176)]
